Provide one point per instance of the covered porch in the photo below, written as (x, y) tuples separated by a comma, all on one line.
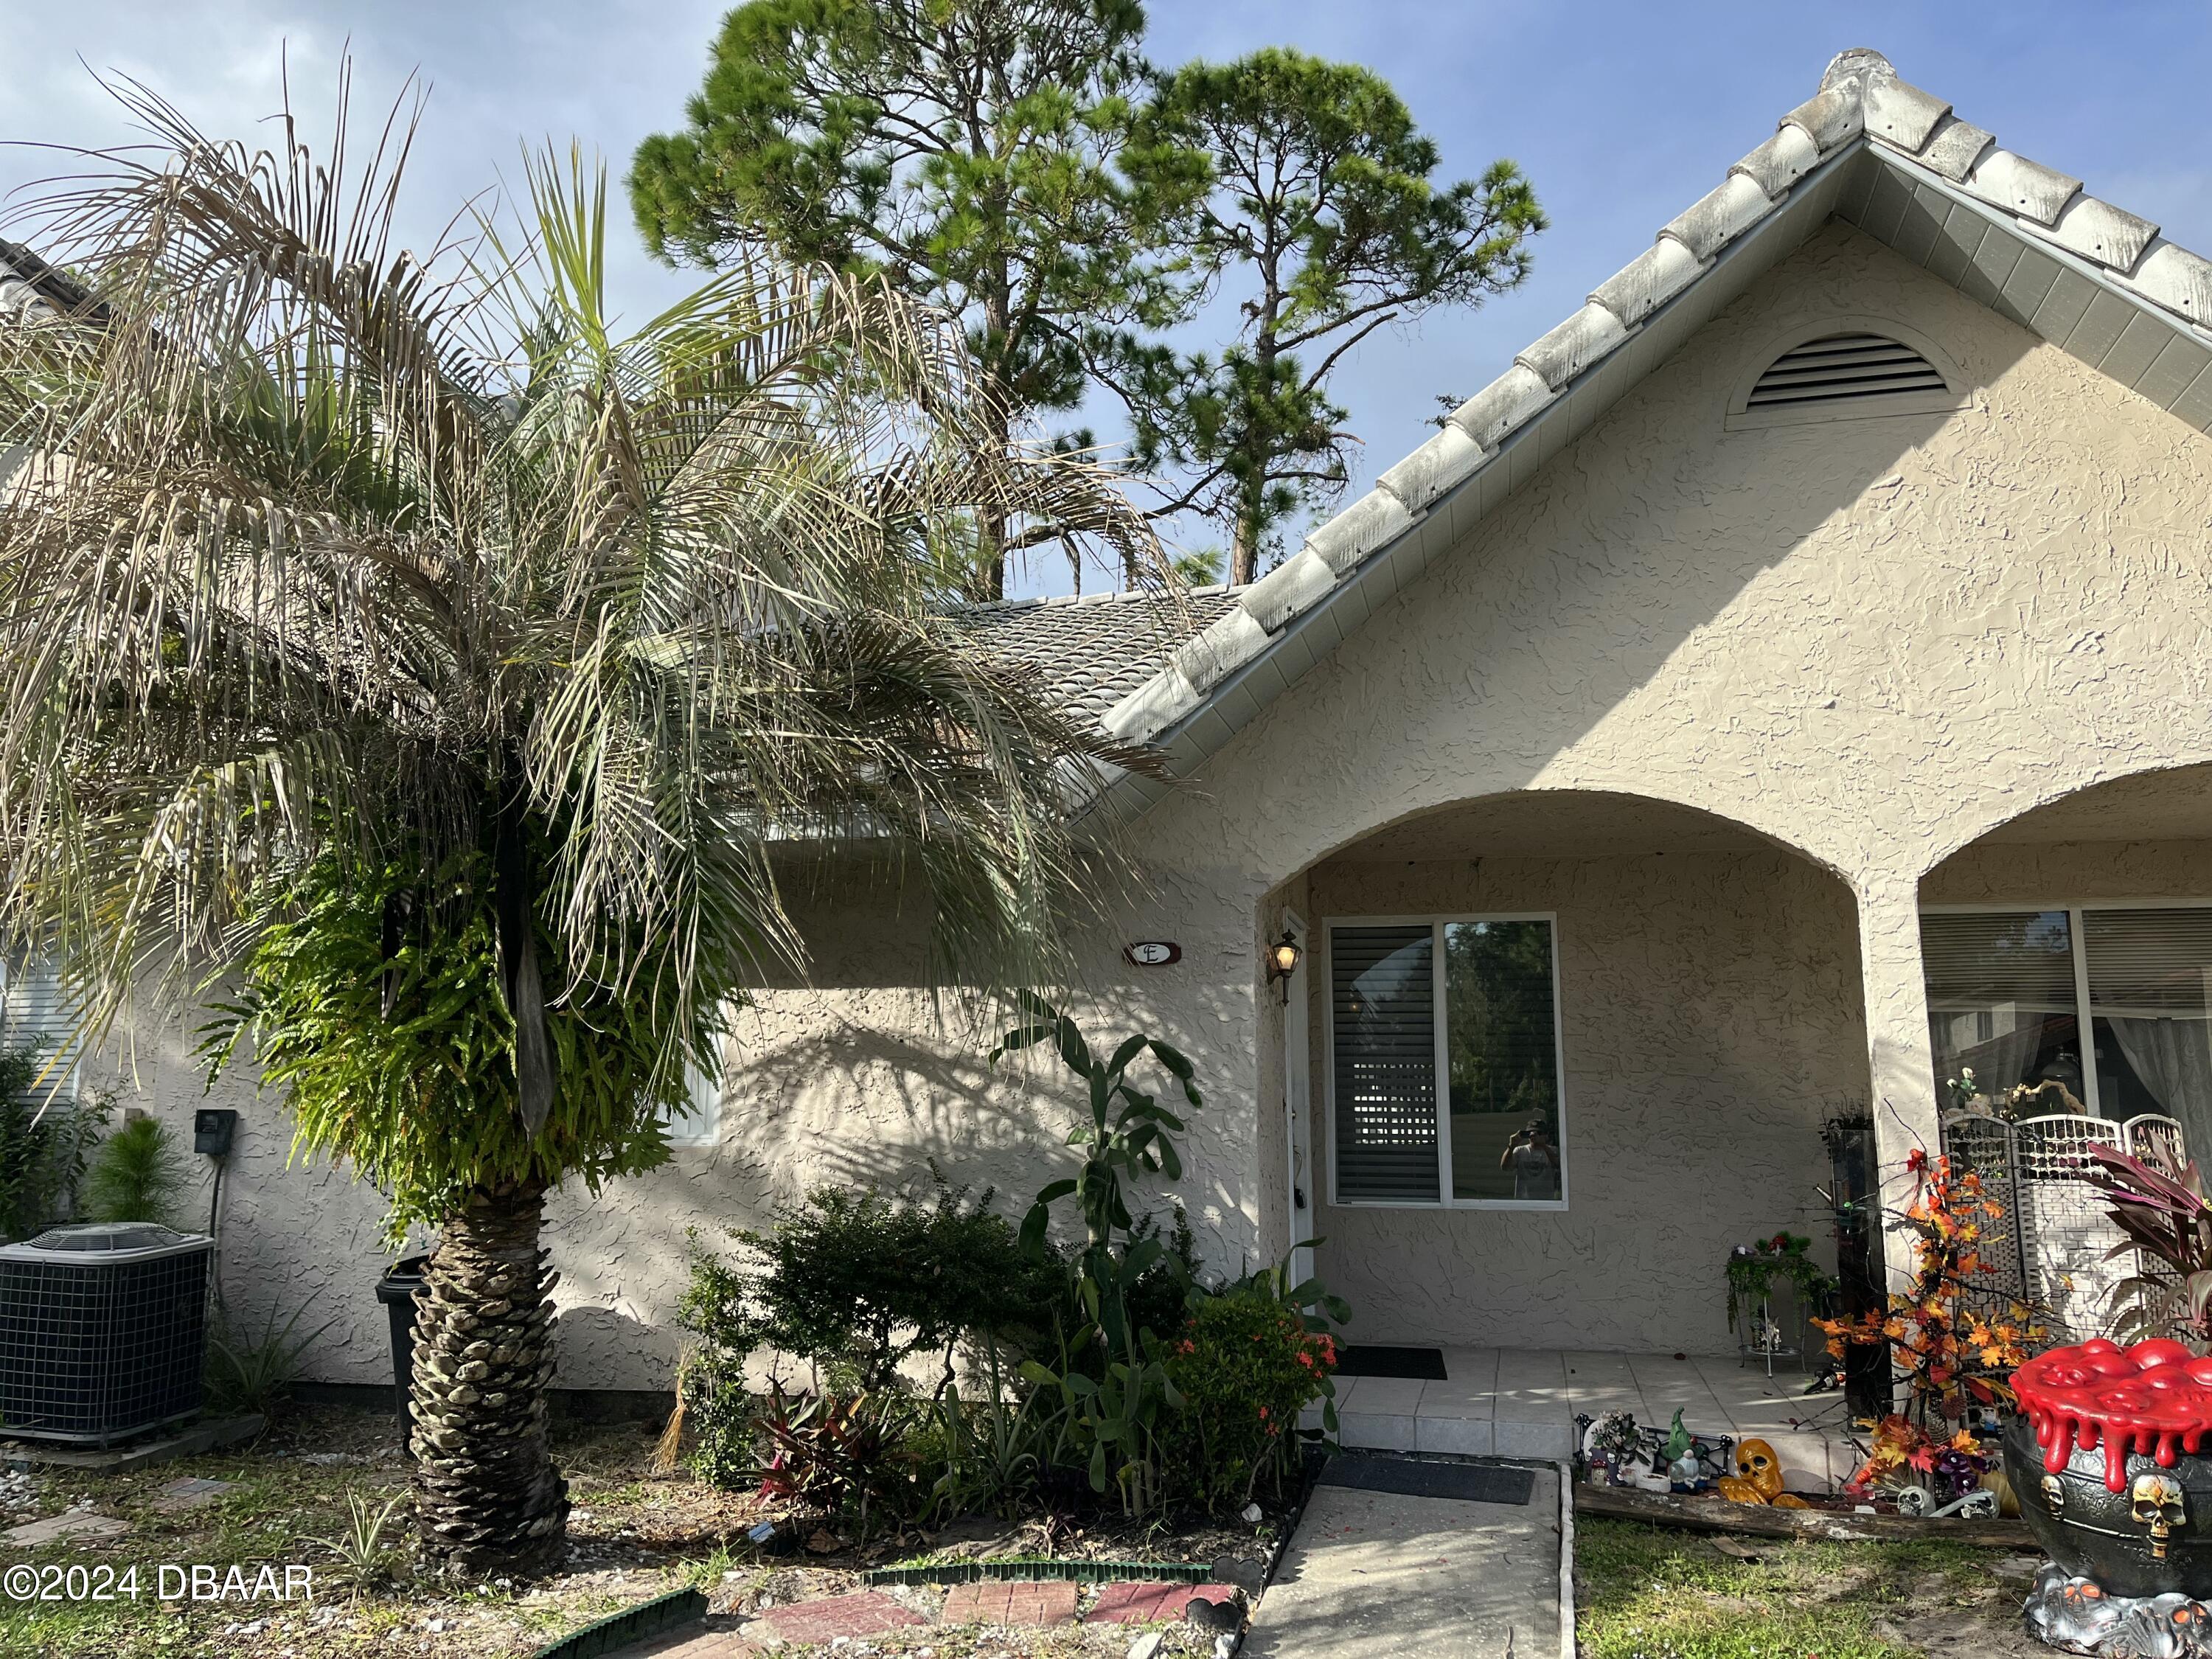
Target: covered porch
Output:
[(1553, 1054)]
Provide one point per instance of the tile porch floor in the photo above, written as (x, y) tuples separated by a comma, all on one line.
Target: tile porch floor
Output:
[(1523, 1402)]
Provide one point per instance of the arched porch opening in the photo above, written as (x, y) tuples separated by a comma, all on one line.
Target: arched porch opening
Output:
[(2069, 949), (2067, 957), (1558, 1051)]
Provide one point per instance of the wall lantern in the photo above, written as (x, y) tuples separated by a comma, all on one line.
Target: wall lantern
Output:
[(1283, 961)]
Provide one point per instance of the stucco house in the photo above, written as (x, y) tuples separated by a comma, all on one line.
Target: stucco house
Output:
[(1784, 684)]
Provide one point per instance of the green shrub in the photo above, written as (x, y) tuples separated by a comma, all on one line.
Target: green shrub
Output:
[(43, 1152), (1246, 1365), (857, 1282), (135, 1175), (718, 1414), (249, 1373)]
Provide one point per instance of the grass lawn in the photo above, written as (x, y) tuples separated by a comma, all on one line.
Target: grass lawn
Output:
[(634, 1536), (1646, 1592)]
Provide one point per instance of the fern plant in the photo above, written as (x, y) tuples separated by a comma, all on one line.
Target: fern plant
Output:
[(135, 1175)]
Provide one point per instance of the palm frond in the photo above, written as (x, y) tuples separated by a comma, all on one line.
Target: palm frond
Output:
[(321, 547)]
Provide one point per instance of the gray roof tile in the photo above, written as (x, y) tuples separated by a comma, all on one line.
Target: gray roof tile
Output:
[(1953, 148), (1091, 652), (2022, 186), (1899, 113)]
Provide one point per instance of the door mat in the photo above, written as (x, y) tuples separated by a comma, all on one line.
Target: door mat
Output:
[(1406, 1477), (1363, 1360)]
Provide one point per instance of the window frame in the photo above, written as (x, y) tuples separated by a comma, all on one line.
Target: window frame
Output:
[(2078, 937), (1437, 921), (703, 1118)]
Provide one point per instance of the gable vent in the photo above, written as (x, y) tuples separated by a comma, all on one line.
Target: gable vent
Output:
[(1843, 369)]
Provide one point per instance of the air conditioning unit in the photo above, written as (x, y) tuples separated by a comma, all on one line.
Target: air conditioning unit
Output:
[(103, 1331)]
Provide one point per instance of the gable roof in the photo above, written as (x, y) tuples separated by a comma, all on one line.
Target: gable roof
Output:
[(1868, 148)]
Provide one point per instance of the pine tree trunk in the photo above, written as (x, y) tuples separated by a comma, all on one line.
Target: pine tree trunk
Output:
[(487, 1497), (1244, 554)]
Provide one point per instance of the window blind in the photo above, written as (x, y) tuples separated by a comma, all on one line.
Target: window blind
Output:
[(2154, 962), (35, 1012), (1984, 959), (1383, 1023)]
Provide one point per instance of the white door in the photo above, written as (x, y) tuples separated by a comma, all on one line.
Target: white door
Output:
[(1296, 1095)]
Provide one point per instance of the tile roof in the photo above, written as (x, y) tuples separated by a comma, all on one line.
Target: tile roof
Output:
[(1093, 649), (29, 283), (1868, 148)]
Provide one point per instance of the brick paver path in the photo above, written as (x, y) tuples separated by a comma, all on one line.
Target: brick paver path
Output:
[(1150, 1603), (864, 1612), (1004, 1602), (710, 1644)]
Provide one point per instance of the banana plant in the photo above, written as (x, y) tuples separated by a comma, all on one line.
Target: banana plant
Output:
[(1115, 1417), (1129, 1134), (1114, 1401)]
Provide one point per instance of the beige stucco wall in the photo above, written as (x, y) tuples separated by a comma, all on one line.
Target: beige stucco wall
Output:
[(860, 1078), (1710, 1023), (1870, 640)]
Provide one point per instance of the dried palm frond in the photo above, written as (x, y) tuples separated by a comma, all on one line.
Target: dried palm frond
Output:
[(316, 545)]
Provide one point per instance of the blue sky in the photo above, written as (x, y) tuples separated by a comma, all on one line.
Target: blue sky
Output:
[(1620, 113)]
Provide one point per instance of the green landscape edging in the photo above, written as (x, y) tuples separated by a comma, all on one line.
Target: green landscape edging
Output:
[(619, 1630), (1042, 1571)]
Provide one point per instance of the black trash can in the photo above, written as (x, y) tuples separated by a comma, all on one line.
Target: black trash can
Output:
[(395, 1291)]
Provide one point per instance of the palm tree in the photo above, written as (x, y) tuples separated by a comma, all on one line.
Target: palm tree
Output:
[(398, 641)]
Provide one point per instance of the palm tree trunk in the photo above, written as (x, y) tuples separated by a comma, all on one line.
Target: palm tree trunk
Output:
[(487, 1497)]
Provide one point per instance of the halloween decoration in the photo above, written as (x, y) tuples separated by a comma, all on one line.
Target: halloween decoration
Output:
[(1951, 1339), (2075, 1615), (1757, 1479), (1684, 1472), (1617, 1452), (2109, 1459)]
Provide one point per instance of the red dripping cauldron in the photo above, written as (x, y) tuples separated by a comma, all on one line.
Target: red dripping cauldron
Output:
[(2111, 1457)]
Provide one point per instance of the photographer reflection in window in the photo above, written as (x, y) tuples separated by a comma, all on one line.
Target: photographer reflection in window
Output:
[(1534, 1161)]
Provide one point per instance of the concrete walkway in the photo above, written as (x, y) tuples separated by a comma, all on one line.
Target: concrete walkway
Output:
[(1371, 1573), (1521, 1403)]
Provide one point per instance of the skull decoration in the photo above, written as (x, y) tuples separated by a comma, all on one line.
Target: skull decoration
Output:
[(2156, 1503), (1756, 1463), (1758, 1478)]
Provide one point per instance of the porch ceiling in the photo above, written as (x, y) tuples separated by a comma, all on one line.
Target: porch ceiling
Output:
[(1552, 825), (2169, 806)]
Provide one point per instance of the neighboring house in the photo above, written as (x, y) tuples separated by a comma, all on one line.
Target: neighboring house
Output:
[(1785, 685)]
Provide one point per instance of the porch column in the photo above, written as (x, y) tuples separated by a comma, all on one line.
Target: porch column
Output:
[(1901, 1067)]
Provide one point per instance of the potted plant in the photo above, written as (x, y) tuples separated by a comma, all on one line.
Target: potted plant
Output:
[(1752, 1271), (2110, 1449)]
